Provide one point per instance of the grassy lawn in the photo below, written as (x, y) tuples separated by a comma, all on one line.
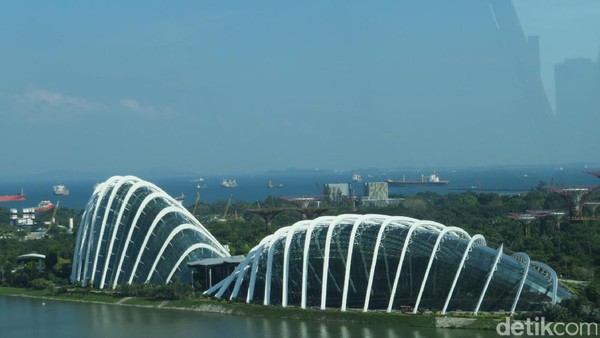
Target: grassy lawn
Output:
[(142, 301)]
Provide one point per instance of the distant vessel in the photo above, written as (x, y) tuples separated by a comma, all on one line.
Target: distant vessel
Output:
[(271, 185), (203, 186), (197, 180), (356, 178), (13, 198), (180, 198), (44, 205), (431, 180), (61, 189), (229, 184)]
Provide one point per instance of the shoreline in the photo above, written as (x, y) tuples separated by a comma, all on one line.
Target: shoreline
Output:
[(207, 305)]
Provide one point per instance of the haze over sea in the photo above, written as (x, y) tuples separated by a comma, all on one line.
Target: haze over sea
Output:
[(254, 187)]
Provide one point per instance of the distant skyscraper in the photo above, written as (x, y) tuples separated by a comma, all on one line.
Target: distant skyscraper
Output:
[(469, 73), (577, 90)]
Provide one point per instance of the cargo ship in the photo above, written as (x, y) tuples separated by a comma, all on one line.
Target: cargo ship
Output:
[(432, 180), (13, 198), (61, 189), (229, 184), (44, 205)]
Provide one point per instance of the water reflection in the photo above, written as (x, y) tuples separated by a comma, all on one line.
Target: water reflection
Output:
[(28, 318)]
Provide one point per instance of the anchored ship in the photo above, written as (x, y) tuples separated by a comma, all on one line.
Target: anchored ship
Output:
[(271, 185), (229, 184), (13, 198), (44, 205), (426, 181), (356, 178), (61, 189)]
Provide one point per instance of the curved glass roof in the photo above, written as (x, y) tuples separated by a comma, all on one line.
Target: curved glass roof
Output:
[(133, 232), (391, 263)]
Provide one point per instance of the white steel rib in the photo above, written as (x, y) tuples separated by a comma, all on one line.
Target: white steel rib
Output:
[(149, 232), (433, 256), (525, 261), (391, 220), (278, 234), (107, 210), (407, 241), (489, 278), (257, 254), (468, 249), (357, 223), (135, 187), (174, 232), (93, 224), (342, 219), (286, 259), (187, 252), (307, 240), (145, 202)]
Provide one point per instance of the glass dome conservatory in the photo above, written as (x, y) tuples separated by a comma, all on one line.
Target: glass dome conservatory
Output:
[(377, 262), (133, 232)]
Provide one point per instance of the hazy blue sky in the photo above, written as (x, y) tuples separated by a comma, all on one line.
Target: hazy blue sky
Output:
[(232, 87)]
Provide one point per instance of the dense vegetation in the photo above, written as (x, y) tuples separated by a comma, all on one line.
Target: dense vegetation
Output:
[(571, 248)]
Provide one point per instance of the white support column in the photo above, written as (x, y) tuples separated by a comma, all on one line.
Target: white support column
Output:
[(257, 254), (224, 284), (86, 237), (118, 184), (267, 297), (357, 223), (433, 256), (215, 287), (243, 266), (396, 221), (307, 240), (133, 226), (101, 195), (552, 275), (407, 241), (460, 268), (81, 235), (149, 232), (278, 235), (166, 243), (137, 185), (338, 220), (489, 279), (525, 261), (286, 260)]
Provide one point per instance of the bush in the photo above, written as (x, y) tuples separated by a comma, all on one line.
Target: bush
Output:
[(42, 284)]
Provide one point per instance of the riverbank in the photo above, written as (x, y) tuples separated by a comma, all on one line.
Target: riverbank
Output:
[(482, 322)]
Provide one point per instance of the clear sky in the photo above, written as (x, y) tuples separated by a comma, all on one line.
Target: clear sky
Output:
[(230, 86)]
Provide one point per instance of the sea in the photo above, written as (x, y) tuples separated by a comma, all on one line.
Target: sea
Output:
[(309, 183)]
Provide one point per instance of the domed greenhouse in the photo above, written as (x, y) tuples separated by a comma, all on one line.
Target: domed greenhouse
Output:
[(134, 232), (378, 262)]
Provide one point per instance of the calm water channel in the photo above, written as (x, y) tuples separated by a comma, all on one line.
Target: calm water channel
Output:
[(27, 317)]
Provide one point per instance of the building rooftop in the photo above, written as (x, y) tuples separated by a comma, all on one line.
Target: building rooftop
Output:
[(217, 261)]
